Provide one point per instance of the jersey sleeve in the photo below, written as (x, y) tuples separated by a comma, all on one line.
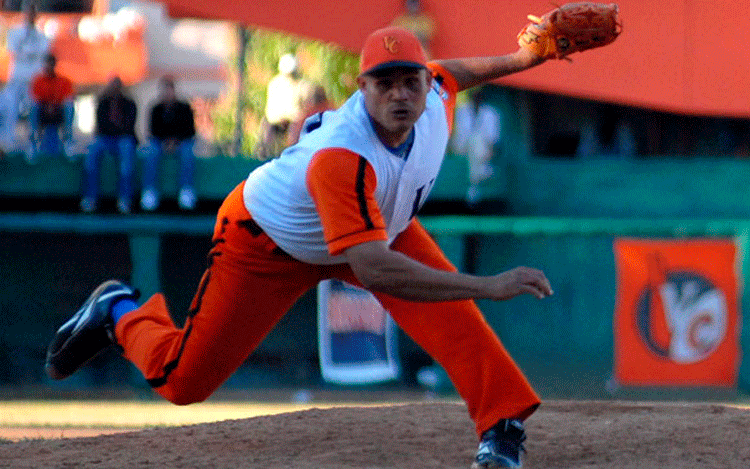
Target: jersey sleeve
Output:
[(447, 87), (342, 184)]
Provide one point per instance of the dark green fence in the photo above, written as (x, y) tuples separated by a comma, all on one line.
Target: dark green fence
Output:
[(50, 262), (565, 342)]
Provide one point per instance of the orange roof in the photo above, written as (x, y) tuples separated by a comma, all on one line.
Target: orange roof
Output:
[(90, 62), (685, 56)]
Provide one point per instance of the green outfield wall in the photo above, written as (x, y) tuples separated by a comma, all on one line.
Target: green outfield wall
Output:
[(561, 214), (565, 342), (648, 187), (50, 262)]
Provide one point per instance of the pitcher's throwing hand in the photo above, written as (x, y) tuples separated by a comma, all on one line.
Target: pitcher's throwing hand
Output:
[(516, 282)]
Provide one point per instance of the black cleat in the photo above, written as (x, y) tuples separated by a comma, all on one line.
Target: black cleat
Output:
[(88, 332), (501, 446)]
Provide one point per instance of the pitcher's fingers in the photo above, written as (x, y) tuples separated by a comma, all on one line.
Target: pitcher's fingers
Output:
[(533, 289), (544, 284)]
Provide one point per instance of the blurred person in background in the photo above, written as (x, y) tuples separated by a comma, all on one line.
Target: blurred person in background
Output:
[(476, 135), (28, 47), (115, 134), (51, 113), (286, 95), (607, 134), (416, 20), (172, 127), (316, 103)]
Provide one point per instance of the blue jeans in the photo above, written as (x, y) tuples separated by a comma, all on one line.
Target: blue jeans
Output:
[(49, 142), (122, 147), (153, 158)]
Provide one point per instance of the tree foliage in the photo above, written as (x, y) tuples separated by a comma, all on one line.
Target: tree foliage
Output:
[(320, 63)]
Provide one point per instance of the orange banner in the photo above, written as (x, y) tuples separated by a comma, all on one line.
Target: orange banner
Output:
[(676, 315)]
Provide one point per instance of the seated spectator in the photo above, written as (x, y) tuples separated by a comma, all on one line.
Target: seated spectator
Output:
[(51, 113), (115, 134), (172, 128)]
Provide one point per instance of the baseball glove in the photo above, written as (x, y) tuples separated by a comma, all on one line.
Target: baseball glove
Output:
[(573, 27)]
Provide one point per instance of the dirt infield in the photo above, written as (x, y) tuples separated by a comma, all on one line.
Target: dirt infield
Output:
[(562, 434)]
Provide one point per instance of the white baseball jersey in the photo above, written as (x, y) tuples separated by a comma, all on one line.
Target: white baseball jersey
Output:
[(277, 196)]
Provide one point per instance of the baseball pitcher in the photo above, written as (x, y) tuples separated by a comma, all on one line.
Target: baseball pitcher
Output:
[(342, 204)]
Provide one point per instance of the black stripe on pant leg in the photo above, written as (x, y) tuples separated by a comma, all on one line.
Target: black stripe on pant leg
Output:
[(169, 367)]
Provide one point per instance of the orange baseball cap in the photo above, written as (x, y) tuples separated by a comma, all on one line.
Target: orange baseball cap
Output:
[(391, 47)]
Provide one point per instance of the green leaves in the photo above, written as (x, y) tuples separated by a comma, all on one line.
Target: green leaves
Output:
[(320, 63)]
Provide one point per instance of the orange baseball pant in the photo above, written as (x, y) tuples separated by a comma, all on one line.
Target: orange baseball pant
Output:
[(250, 284)]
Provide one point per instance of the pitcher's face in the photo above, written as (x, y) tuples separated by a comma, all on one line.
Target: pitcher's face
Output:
[(395, 98)]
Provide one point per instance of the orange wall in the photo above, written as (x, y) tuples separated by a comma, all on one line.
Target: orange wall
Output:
[(686, 56), (91, 63)]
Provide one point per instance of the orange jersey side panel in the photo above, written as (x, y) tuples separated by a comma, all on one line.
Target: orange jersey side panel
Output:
[(449, 85), (342, 184)]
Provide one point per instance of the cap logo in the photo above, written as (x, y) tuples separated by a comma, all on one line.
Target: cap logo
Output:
[(391, 44)]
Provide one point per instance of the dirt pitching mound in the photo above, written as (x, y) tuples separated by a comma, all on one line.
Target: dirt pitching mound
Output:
[(562, 434)]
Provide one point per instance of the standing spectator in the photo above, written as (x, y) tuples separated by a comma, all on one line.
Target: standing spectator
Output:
[(115, 133), (51, 113), (285, 99), (172, 128), (477, 132), (28, 47)]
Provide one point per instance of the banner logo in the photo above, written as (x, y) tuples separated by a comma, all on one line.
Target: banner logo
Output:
[(676, 312), (694, 319)]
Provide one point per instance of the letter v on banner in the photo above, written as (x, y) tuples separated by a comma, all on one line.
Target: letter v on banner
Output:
[(676, 314)]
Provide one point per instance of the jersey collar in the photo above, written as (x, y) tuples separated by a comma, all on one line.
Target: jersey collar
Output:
[(401, 151)]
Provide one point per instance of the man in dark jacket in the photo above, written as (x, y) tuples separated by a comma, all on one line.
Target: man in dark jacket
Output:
[(115, 134), (172, 127)]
